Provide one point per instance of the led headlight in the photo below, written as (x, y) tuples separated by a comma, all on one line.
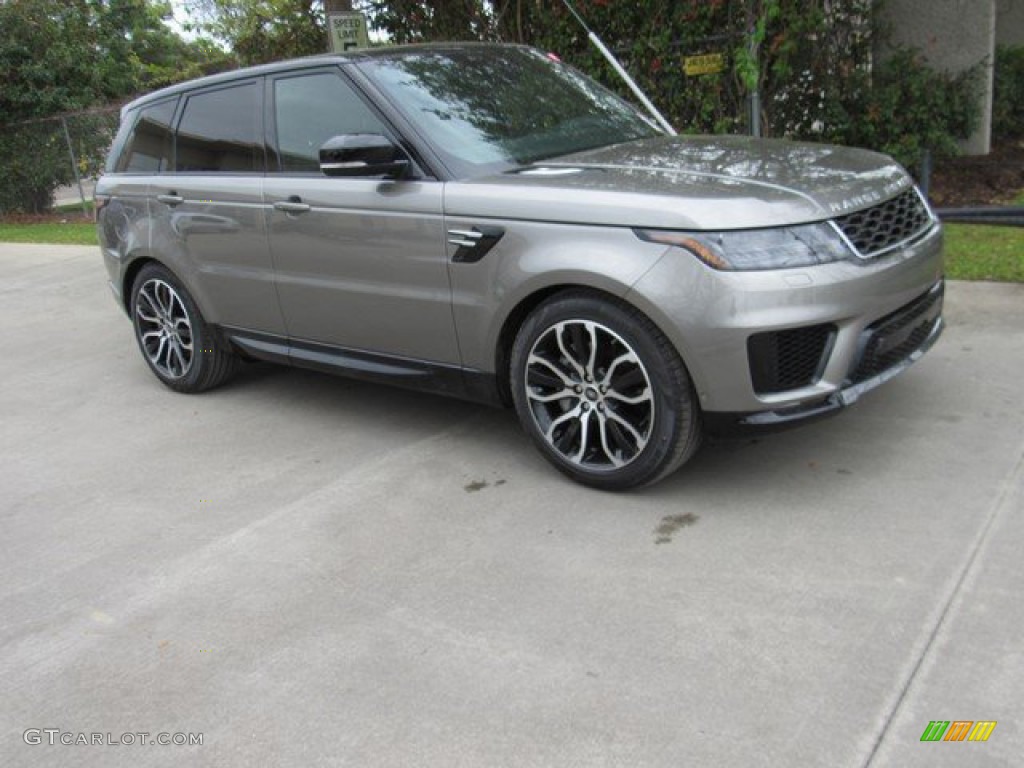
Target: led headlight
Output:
[(742, 250)]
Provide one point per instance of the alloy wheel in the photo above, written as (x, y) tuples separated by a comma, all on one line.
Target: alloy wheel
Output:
[(590, 395), (164, 328)]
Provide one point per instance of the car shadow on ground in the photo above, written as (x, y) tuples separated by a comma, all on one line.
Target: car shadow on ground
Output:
[(835, 449)]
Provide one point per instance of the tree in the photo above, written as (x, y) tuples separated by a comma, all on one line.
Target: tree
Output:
[(61, 56), (258, 31)]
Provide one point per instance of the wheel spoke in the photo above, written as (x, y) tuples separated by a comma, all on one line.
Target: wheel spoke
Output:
[(643, 397), (627, 358), (620, 438), (162, 304), (544, 380), (613, 457), (568, 436), (175, 351), (592, 359), (559, 421), (157, 356), (561, 394), (535, 360), (584, 422), (149, 318), (621, 422), (560, 337)]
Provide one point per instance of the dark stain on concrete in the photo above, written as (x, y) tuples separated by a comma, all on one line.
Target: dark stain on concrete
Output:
[(672, 523)]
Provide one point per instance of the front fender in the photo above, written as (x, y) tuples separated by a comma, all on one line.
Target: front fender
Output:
[(530, 260)]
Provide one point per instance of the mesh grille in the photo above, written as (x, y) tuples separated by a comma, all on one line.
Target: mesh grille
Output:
[(895, 337), (875, 229), (782, 360)]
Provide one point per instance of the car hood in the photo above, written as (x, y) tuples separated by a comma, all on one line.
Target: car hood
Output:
[(705, 183)]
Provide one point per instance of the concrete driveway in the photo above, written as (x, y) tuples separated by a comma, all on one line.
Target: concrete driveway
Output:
[(308, 571)]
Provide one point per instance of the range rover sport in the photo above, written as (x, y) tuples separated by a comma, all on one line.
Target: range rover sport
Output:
[(484, 221)]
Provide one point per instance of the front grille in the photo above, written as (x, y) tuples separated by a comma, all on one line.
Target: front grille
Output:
[(783, 360), (896, 336), (873, 230)]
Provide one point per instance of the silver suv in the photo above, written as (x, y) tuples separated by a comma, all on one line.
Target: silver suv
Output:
[(486, 222)]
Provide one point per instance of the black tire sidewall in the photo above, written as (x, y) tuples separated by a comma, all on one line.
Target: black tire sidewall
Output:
[(671, 392)]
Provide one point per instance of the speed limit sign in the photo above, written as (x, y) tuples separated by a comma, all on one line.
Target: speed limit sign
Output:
[(347, 31)]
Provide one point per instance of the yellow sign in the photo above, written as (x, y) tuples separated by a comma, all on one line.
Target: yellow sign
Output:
[(708, 64), (348, 31)]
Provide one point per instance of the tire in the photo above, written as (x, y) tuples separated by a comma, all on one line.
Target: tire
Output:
[(602, 393), (182, 351)]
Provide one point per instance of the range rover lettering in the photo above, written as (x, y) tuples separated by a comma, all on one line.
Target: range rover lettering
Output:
[(484, 221)]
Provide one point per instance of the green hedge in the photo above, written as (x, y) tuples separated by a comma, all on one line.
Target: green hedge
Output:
[(1008, 97)]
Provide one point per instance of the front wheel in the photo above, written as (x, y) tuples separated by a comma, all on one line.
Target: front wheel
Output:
[(180, 348), (602, 392)]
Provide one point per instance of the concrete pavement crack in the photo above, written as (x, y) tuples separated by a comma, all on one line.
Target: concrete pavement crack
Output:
[(1013, 479)]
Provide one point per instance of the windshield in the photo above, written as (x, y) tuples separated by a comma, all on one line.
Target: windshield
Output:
[(489, 108)]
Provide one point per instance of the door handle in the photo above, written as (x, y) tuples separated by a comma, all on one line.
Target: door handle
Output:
[(293, 204), (171, 198)]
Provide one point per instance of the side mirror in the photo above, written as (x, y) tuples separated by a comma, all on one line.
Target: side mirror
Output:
[(363, 154)]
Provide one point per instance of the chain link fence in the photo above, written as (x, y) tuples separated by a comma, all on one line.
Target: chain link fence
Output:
[(39, 156)]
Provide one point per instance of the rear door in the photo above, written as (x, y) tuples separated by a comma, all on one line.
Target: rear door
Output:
[(208, 221), (360, 262)]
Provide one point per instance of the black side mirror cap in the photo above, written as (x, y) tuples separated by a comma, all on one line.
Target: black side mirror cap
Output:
[(363, 154)]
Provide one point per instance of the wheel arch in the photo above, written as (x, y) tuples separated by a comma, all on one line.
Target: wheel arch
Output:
[(131, 272), (141, 261)]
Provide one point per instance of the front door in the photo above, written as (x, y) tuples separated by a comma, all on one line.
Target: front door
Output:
[(360, 263)]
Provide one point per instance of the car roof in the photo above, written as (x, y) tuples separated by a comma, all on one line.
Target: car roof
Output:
[(390, 51)]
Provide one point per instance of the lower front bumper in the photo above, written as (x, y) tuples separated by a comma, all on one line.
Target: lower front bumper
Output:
[(724, 424)]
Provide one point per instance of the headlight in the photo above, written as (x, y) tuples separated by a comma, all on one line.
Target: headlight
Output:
[(741, 250)]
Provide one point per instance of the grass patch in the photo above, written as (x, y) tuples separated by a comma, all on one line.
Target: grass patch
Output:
[(976, 252), (75, 231)]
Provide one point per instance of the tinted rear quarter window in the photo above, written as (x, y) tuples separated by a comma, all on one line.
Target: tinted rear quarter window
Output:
[(148, 144), (220, 131)]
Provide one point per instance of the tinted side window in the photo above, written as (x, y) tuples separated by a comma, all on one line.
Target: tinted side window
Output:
[(310, 109), (219, 131), (147, 149)]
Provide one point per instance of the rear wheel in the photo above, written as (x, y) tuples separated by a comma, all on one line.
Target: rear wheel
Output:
[(180, 348), (602, 392)]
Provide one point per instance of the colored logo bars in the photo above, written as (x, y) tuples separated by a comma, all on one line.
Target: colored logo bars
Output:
[(958, 730)]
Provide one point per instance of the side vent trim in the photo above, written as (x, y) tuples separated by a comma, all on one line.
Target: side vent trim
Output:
[(473, 244)]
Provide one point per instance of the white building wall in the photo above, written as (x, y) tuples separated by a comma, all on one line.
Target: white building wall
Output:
[(1009, 22), (954, 35)]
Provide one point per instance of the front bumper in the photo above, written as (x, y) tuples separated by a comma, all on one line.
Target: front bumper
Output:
[(722, 424), (848, 327)]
